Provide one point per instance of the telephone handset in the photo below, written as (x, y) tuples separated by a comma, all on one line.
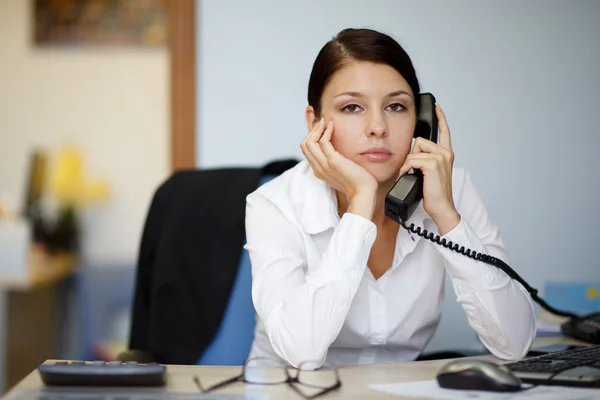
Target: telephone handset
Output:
[(404, 197), (407, 192)]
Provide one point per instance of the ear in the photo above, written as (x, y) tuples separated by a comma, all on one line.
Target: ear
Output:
[(311, 118)]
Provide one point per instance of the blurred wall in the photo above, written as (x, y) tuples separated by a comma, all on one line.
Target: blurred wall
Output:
[(518, 81), (110, 102)]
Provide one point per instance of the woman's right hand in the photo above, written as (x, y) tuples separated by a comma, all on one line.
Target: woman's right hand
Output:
[(346, 176)]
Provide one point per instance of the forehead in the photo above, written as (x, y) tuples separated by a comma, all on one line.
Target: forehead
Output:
[(370, 79)]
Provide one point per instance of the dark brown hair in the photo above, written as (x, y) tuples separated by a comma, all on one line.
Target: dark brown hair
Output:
[(358, 45)]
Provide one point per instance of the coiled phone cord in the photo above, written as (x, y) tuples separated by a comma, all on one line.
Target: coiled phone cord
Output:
[(496, 262)]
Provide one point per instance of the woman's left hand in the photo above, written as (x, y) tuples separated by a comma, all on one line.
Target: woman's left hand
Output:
[(436, 161)]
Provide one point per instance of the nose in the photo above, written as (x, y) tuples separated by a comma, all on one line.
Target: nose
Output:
[(377, 124)]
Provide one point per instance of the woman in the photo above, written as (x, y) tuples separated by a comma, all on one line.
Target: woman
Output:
[(334, 279)]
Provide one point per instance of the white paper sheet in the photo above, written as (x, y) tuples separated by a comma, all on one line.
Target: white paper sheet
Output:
[(431, 390)]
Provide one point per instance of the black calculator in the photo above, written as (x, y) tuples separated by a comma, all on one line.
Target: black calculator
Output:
[(102, 373)]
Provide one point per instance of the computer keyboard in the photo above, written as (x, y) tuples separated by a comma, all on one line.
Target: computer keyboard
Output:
[(573, 367)]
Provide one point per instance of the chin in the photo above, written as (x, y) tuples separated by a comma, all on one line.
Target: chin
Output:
[(383, 173)]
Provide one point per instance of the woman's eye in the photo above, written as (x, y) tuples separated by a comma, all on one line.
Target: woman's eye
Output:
[(351, 108), (396, 107)]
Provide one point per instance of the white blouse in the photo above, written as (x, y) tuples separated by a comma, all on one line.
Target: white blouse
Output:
[(316, 299)]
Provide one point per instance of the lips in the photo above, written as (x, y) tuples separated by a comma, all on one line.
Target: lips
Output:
[(377, 154)]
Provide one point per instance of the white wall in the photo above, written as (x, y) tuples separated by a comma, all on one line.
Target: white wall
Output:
[(518, 81), (112, 103)]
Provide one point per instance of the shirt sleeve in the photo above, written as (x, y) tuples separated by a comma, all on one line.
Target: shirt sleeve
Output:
[(303, 312), (498, 308)]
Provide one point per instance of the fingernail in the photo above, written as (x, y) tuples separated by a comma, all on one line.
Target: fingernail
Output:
[(322, 120), (330, 124)]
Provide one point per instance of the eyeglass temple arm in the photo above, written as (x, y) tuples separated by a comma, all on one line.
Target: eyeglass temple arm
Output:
[(334, 387), (337, 385), (218, 385)]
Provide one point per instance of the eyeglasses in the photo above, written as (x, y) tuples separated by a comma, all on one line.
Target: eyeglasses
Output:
[(266, 371)]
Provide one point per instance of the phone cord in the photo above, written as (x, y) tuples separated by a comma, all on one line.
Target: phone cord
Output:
[(496, 262)]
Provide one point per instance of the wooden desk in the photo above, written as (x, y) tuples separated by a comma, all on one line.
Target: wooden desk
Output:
[(44, 269), (30, 314), (355, 378)]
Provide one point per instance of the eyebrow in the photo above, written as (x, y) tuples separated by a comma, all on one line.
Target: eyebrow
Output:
[(358, 94)]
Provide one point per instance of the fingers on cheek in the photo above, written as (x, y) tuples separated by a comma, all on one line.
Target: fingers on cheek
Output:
[(418, 142), (413, 163), (312, 161), (313, 149), (405, 168), (323, 146)]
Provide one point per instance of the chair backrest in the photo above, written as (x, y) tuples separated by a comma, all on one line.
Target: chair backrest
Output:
[(188, 269), (233, 340)]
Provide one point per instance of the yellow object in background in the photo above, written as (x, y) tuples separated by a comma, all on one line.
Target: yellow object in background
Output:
[(67, 179), (95, 191), (69, 183), (592, 293)]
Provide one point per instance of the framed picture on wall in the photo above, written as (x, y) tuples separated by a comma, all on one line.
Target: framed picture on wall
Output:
[(100, 22)]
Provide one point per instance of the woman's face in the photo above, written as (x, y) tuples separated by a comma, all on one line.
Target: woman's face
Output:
[(373, 113)]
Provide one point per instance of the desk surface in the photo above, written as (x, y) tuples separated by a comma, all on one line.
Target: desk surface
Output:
[(355, 378), (43, 269)]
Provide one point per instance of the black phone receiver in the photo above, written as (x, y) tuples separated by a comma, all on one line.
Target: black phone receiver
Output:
[(402, 200)]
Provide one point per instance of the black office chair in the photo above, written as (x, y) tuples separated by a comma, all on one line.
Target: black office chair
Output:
[(188, 261)]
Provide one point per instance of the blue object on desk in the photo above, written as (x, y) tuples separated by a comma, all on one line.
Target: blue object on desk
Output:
[(233, 340), (576, 297)]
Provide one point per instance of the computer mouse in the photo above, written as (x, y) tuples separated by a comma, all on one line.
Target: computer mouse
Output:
[(469, 374)]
